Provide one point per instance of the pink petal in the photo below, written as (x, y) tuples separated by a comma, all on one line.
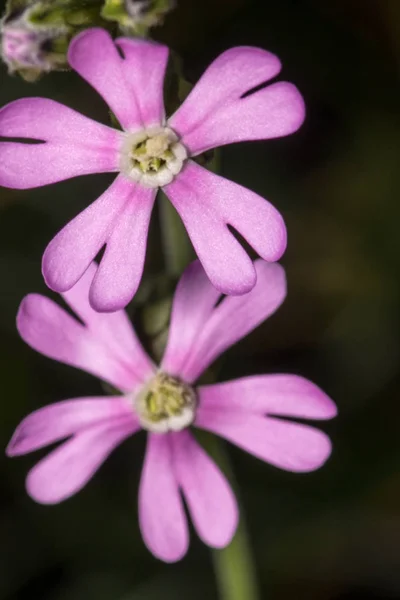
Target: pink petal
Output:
[(188, 316), (286, 445), (228, 77), (50, 330), (67, 469), (161, 515), (95, 57), (226, 263), (114, 329), (73, 144), (235, 317), (24, 166), (207, 203), (47, 120), (57, 421), (144, 67), (121, 267), (69, 254), (209, 497), (285, 395), (273, 112), (215, 113)]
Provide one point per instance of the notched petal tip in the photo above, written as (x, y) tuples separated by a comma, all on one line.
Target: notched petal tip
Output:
[(12, 446), (23, 305), (54, 278), (10, 111), (126, 43), (296, 108), (170, 557), (223, 543), (271, 278), (102, 304), (236, 281), (279, 240), (325, 451), (87, 36), (26, 311), (41, 495), (102, 299), (324, 407), (236, 287), (331, 409), (316, 452), (258, 64), (19, 442)]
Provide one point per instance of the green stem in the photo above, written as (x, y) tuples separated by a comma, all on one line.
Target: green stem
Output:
[(233, 565), (234, 569), (178, 251)]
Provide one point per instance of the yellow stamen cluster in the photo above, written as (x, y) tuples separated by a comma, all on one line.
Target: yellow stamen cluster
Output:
[(166, 403), (151, 154)]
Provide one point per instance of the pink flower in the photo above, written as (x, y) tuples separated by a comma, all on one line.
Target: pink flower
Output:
[(165, 402), (149, 153)]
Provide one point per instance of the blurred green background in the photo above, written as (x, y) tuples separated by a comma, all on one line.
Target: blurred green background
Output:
[(326, 535)]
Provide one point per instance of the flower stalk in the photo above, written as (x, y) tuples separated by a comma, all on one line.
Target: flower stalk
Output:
[(234, 567), (177, 249)]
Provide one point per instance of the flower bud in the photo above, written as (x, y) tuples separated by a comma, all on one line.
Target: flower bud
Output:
[(135, 17), (35, 34)]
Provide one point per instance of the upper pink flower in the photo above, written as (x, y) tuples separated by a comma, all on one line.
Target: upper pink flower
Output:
[(151, 152), (165, 402)]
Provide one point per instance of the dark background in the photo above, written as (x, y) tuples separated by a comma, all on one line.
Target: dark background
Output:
[(326, 535)]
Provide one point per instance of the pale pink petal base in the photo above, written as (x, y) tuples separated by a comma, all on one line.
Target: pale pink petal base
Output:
[(211, 502), (67, 469), (161, 516), (289, 446)]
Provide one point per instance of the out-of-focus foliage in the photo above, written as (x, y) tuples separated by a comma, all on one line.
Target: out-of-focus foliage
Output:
[(327, 535)]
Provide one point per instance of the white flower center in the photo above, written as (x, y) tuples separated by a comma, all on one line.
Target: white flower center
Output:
[(165, 404), (152, 156)]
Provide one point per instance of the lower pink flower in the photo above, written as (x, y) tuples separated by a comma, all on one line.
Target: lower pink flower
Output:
[(165, 402)]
